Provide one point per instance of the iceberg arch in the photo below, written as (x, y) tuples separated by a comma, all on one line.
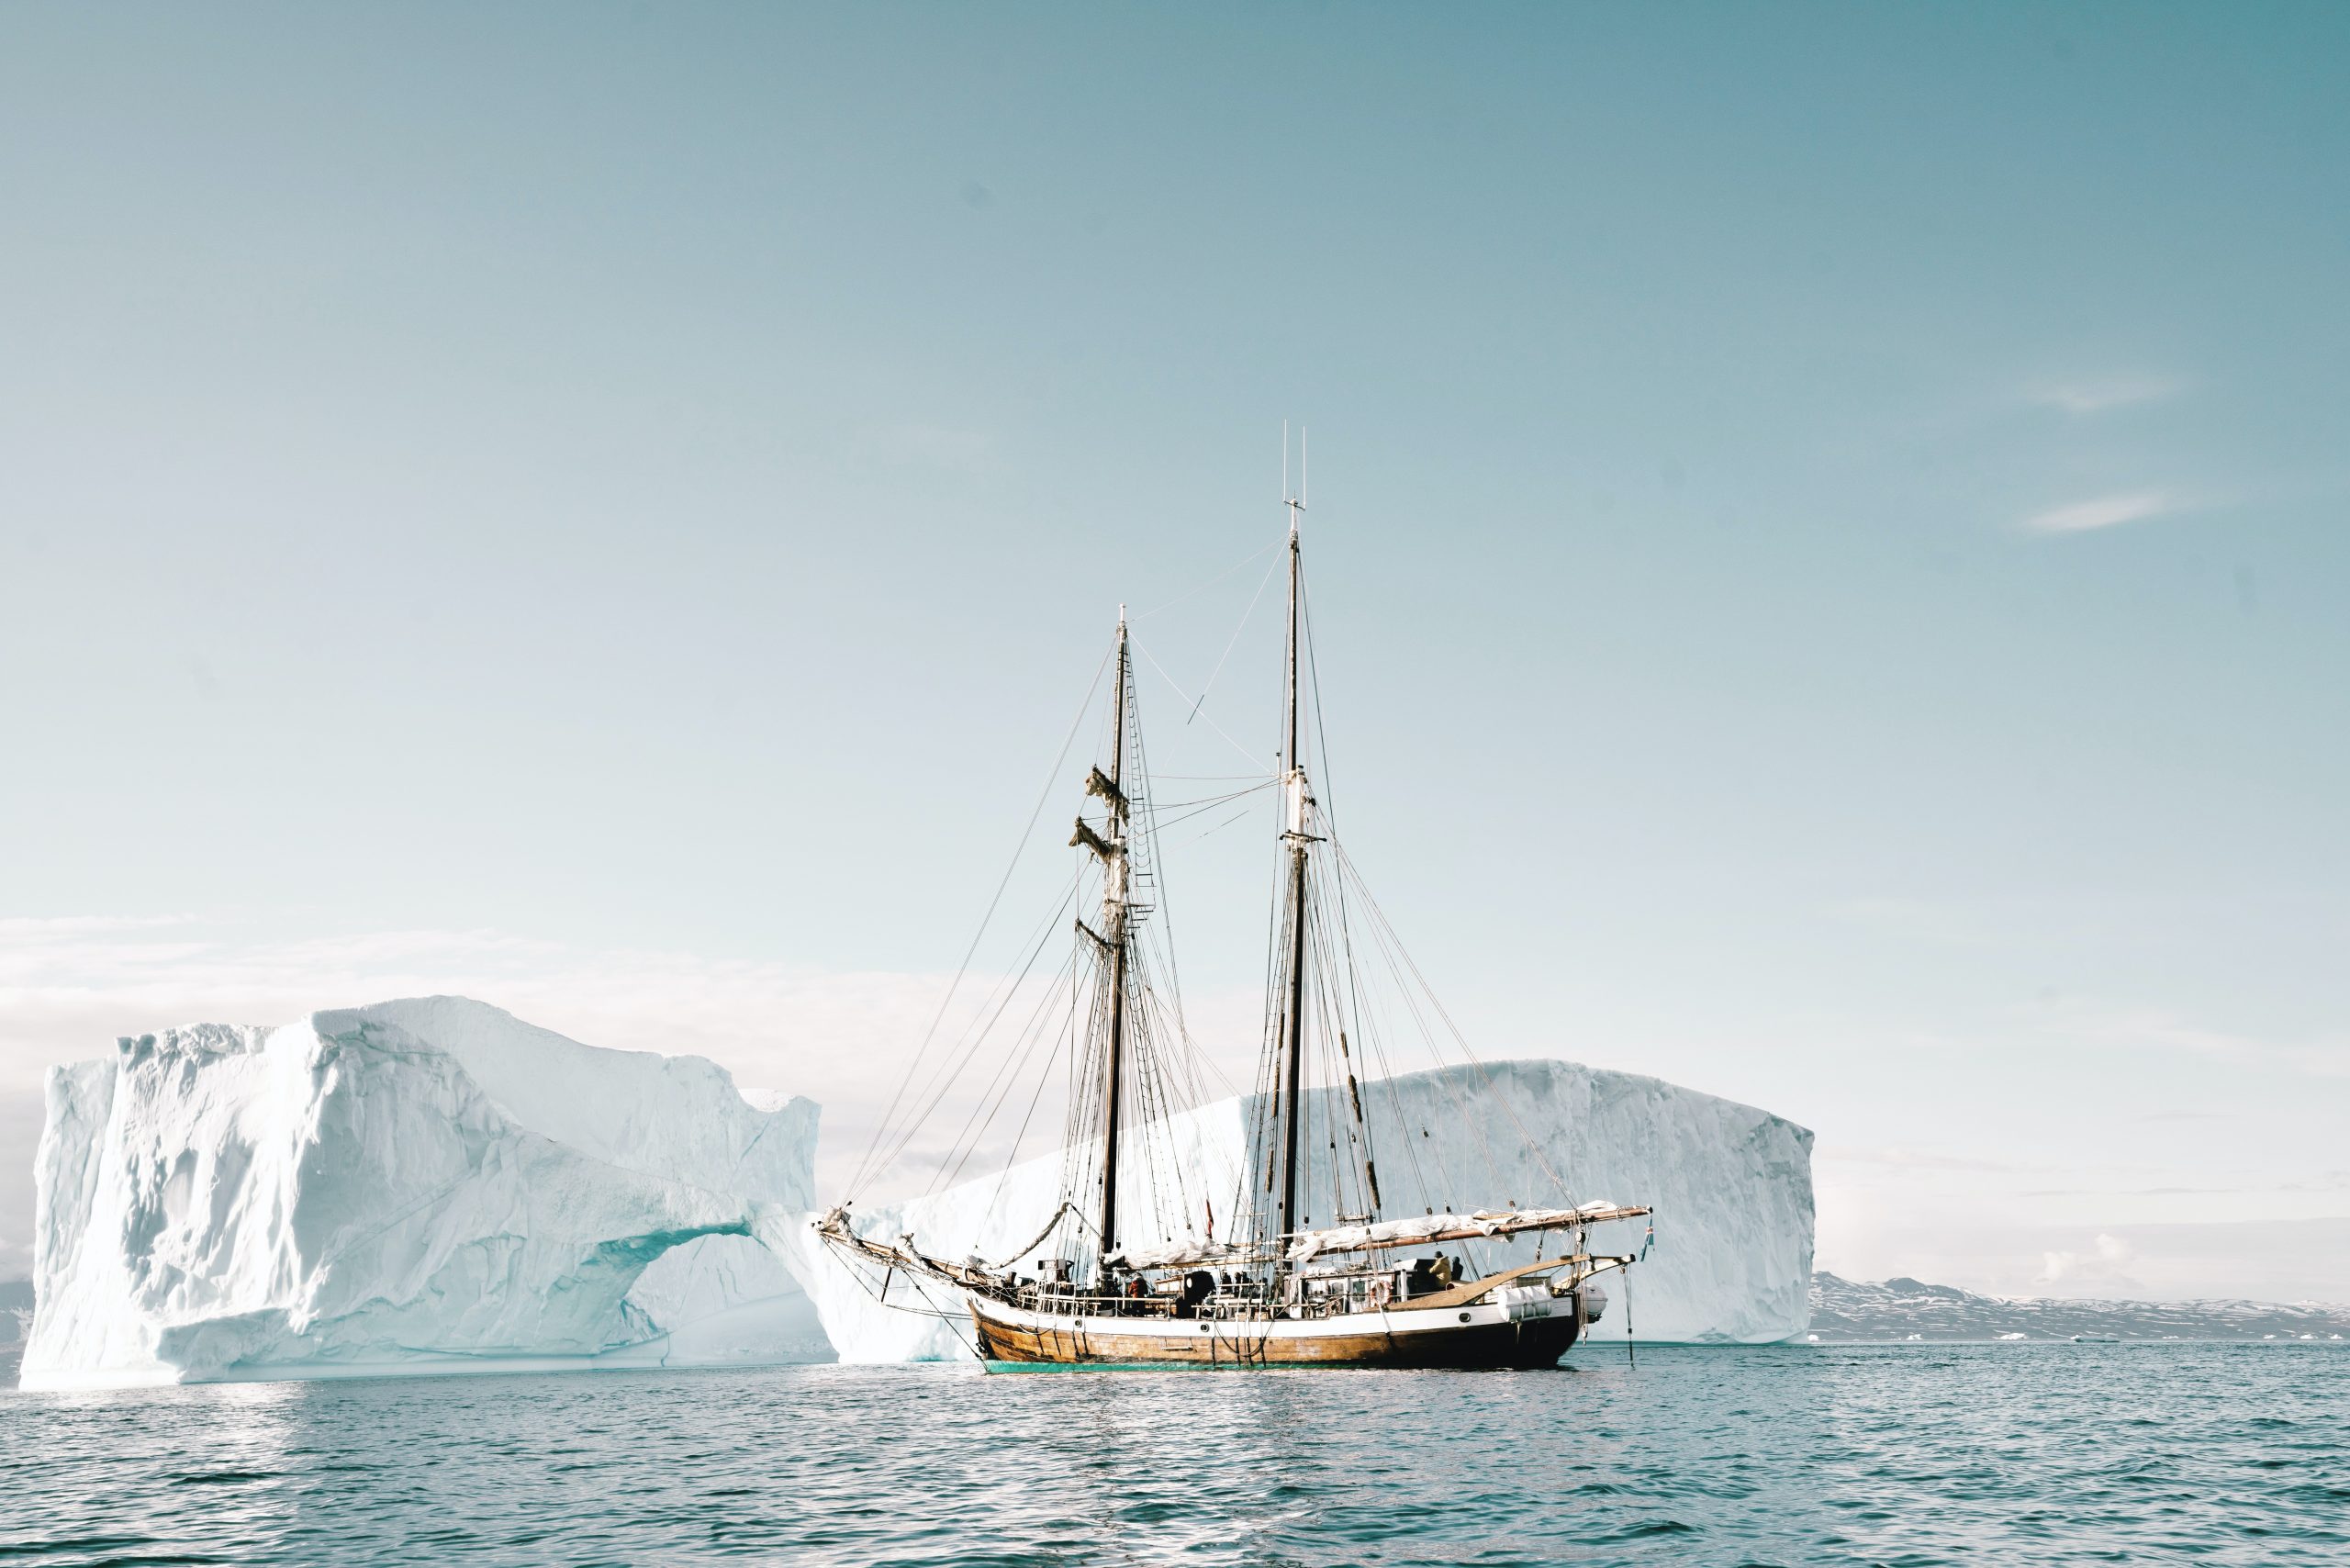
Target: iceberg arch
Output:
[(415, 1186)]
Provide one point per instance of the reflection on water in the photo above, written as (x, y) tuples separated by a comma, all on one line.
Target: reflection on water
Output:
[(2046, 1453)]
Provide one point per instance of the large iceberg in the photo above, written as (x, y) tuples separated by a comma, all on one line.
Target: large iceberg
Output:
[(1731, 1185), (434, 1185), (415, 1186)]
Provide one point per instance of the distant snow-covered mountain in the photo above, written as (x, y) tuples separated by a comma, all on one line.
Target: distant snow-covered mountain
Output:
[(1852, 1312)]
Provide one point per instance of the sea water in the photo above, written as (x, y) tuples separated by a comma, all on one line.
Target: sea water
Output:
[(2043, 1453)]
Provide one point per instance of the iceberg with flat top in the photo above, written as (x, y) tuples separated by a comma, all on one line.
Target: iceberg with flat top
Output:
[(429, 1185), (434, 1185), (1731, 1186)]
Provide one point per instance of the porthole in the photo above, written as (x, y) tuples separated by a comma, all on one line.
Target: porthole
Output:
[(1464, 1318)]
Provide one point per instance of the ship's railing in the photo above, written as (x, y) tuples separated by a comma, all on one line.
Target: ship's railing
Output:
[(1257, 1309), (1235, 1304), (1235, 1307), (1087, 1304)]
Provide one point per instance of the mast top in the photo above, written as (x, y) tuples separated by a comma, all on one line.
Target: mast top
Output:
[(1295, 500)]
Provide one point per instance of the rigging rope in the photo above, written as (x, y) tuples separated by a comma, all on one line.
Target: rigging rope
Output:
[(966, 1142), (1037, 1240), (1061, 1040), (1209, 584), (1380, 916), (1187, 697), (952, 1070), (1234, 639), (864, 1172)]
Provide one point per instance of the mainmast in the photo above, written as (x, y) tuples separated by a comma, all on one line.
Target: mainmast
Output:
[(1294, 800), (1113, 937)]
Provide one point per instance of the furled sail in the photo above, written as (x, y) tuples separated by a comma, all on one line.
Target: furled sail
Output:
[(1416, 1230), (1184, 1255)]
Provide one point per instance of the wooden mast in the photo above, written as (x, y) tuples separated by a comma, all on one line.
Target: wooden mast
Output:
[(1113, 921), (1293, 805)]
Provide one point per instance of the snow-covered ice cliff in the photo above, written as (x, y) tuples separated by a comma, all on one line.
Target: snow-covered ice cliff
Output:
[(1731, 1187), (417, 1186), (435, 1185)]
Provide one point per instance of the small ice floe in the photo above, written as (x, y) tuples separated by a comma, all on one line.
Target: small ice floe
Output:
[(2015, 1336)]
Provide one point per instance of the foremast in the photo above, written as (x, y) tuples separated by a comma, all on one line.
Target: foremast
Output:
[(1115, 939)]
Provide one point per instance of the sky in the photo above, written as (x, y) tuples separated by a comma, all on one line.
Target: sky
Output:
[(1826, 538)]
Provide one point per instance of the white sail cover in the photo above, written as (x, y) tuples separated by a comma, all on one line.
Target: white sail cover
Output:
[(1178, 1255), (1423, 1229)]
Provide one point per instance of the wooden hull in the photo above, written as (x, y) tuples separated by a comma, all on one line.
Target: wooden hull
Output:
[(1522, 1334)]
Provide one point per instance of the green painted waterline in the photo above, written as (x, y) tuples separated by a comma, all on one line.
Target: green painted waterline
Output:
[(1122, 1366)]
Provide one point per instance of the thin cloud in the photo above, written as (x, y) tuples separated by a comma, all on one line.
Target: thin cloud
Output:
[(1917, 1159), (2105, 511), (29, 928), (2135, 1028), (2101, 1265), (2098, 396), (2132, 1192), (69, 987)]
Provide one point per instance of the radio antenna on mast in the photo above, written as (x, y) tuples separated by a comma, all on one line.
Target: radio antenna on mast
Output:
[(1294, 500)]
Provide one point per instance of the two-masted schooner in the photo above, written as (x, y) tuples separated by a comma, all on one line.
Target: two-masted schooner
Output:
[(1364, 1292)]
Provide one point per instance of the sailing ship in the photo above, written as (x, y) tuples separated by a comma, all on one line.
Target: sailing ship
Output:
[(1366, 1290)]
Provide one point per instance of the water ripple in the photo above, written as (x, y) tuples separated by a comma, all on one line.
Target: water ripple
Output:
[(2046, 1454)]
